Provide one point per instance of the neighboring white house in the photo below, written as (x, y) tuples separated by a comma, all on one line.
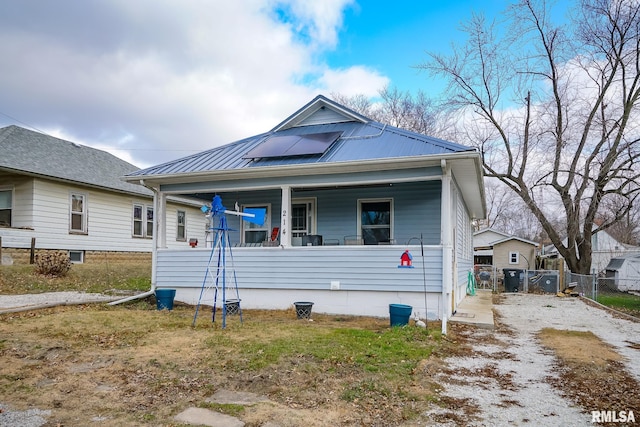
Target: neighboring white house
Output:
[(624, 272), (71, 197), (604, 248), (345, 196)]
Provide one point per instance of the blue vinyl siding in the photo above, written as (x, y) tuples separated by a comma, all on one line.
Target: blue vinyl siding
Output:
[(416, 209), (371, 268)]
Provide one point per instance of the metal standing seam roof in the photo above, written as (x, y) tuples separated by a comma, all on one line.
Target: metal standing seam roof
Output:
[(359, 141), (28, 152)]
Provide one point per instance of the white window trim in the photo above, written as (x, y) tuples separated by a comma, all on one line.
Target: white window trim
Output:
[(391, 215), (517, 257), (84, 213), (267, 220), (178, 237), (144, 230), (313, 226), (13, 198), (81, 257)]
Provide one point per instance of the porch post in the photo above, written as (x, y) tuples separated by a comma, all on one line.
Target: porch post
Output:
[(447, 243), (285, 215)]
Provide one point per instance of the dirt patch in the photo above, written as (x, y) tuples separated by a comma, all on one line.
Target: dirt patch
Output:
[(590, 372), (578, 347)]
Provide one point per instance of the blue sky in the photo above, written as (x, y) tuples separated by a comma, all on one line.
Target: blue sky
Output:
[(394, 37), (153, 81)]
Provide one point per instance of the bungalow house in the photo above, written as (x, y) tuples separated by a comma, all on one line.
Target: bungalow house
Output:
[(344, 197), (58, 195)]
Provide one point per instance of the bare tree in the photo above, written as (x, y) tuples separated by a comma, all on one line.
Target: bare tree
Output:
[(627, 229), (394, 107), (557, 106)]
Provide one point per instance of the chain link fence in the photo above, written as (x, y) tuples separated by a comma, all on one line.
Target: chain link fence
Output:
[(585, 285), (516, 280), (592, 286)]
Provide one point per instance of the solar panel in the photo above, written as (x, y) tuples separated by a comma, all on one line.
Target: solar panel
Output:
[(294, 145)]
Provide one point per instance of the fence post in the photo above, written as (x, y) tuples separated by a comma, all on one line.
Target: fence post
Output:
[(595, 288), (33, 250)]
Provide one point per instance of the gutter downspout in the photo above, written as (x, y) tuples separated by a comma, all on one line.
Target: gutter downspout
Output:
[(154, 252)]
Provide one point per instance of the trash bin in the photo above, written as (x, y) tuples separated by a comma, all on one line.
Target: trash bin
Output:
[(164, 298), (303, 309), (399, 314), (512, 279)]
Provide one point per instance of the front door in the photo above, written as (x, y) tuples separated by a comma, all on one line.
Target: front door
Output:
[(303, 219)]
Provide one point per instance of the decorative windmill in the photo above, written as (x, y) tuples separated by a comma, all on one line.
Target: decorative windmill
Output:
[(216, 272)]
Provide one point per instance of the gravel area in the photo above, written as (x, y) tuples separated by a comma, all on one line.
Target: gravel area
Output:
[(517, 393), (10, 303)]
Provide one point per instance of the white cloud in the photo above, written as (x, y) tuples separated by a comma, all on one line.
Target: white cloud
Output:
[(161, 80)]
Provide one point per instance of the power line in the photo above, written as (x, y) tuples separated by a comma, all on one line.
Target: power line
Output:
[(26, 124)]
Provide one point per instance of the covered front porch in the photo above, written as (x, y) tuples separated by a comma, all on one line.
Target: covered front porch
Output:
[(333, 239)]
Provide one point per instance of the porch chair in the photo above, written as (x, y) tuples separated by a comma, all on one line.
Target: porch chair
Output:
[(353, 239), (273, 241)]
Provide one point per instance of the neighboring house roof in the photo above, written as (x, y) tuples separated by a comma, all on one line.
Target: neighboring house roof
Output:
[(358, 139), (617, 262), (32, 153), (490, 230), (509, 238), (601, 241), (485, 237)]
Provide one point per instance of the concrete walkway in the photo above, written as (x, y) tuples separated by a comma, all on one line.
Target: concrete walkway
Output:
[(476, 310)]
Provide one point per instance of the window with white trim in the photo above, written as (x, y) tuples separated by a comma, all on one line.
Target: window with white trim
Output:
[(514, 257), (256, 233), (375, 220), (6, 206), (76, 257), (78, 213), (181, 230), (142, 221)]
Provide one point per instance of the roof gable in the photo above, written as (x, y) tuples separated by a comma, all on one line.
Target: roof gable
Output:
[(320, 110), (32, 153), (512, 238), (487, 236)]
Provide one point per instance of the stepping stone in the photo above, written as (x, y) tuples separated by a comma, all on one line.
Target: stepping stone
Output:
[(223, 396), (205, 417)]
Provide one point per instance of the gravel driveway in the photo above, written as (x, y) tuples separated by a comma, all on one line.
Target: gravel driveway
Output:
[(519, 395)]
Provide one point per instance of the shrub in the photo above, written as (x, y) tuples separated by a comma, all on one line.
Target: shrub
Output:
[(56, 264)]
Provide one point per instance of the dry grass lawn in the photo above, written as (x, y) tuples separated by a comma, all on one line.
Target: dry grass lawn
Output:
[(134, 365)]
